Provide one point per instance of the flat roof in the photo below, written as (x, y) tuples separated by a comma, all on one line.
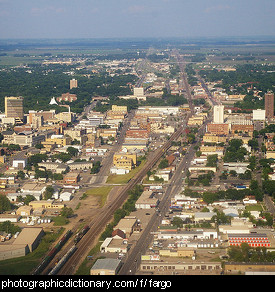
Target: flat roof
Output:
[(247, 235), (106, 264), (28, 235)]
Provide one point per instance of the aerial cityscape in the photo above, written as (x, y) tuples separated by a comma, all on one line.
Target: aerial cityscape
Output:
[(137, 155)]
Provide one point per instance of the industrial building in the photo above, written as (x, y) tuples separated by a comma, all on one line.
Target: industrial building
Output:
[(26, 242), (106, 267)]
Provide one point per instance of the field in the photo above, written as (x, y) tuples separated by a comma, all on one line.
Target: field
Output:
[(100, 193)]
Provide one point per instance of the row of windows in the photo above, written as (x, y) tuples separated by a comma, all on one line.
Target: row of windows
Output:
[(195, 267), (248, 238), (252, 244), (252, 241)]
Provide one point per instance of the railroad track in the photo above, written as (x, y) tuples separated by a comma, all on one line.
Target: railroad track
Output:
[(106, 215)]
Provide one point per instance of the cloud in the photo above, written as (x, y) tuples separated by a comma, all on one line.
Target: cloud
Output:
[(217, 8)]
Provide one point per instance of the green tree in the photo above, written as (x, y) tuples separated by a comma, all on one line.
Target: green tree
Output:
[(5, 204), (163, 164), (48, 192), (67, 212), (72, 151)]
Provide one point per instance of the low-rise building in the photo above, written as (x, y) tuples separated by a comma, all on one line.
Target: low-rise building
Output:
[(127, 225), (147, 200), (82, 165), (252, 239), (26, 242), (46, 204), (106, 266), (71, 178), (114, 245)]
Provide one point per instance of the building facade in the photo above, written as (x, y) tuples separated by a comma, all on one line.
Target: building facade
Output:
[(269, 105), (14, 107)]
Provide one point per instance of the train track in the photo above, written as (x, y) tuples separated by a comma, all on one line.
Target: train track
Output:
[(106, 215)]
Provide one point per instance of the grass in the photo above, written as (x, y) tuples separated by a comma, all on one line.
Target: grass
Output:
[(257, 207), (86, 265), (123, 179), (101, 193)]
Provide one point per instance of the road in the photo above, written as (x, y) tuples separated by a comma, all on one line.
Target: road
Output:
[(184, 79), (132, 261), (108, 161)]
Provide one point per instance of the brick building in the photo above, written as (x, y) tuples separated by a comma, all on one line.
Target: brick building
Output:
[(218, 129)]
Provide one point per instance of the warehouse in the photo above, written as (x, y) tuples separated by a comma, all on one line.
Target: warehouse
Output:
[(26, 242), (106, 267)]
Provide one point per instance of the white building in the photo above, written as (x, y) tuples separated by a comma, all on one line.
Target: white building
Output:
[(65, 196), (19, 163), (218, 114), (258, 115)]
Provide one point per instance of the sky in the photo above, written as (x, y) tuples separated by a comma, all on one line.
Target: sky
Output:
[(135, 18)]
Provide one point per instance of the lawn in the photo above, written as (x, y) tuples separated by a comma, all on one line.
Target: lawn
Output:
[(101, 193), (257, 207), (123, 179)]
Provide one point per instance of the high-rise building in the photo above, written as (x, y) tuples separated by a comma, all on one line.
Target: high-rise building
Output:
[(14, 107), (269, 105), (73, 83), (218, 114)]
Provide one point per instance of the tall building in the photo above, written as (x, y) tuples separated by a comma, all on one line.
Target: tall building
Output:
[(14, 107), (269, 105), (73, 83), (218, 114)]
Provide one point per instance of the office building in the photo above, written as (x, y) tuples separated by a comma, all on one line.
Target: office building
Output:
[(14, 107), (269, 105), (73, 83), (258, 115), (218, 114)]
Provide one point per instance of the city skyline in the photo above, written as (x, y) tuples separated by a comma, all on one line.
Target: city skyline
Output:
[(121, 18)]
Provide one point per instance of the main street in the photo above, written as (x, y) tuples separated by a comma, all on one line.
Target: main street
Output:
[(132, 261)]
